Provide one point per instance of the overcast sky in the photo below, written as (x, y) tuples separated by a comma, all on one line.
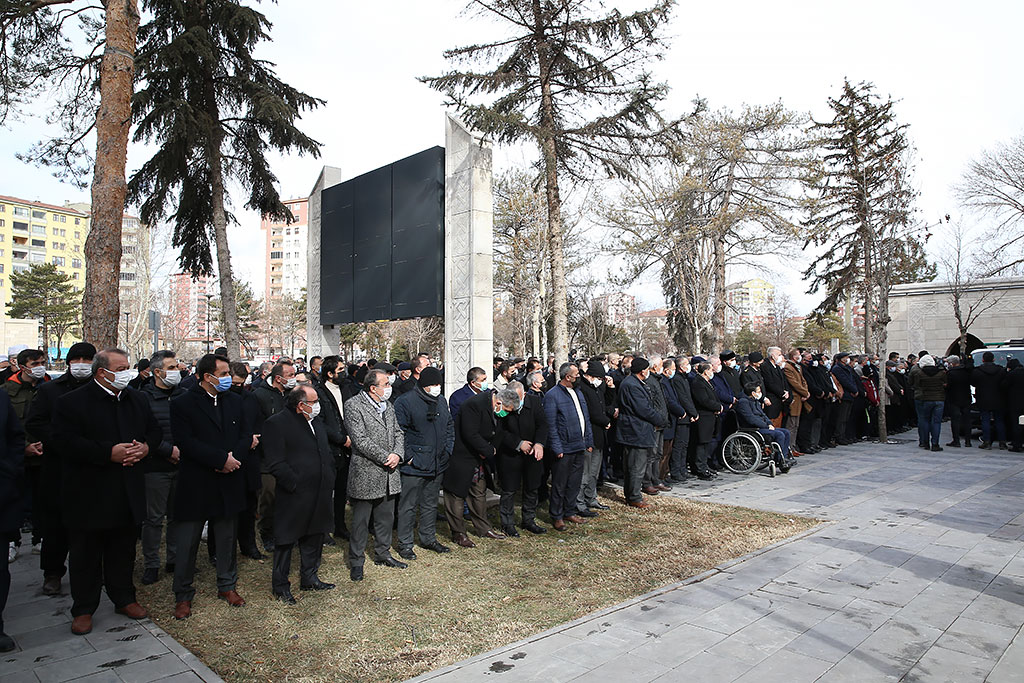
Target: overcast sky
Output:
[(953, 66)]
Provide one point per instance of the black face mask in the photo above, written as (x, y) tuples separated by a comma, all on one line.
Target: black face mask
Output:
[(237, 388)]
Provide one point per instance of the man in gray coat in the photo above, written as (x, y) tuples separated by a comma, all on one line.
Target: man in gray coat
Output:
[(373, 478)]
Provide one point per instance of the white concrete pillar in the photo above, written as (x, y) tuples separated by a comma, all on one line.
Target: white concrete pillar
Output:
[(468, 231), (320, 340)]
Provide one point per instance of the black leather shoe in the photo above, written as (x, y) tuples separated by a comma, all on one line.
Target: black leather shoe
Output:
[(149, 576), (356, 573), (318, 586), (254, 554), (169, 568), (341, 533), (705, 476), (534, 528), (510, 531), (391, 562), (328, 540), (599, 506), (936, 447), (436, 547), (6, 642), (586, 513), (286, 597), (407, 554)]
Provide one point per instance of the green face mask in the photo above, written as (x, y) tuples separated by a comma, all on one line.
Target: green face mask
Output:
[(501, 413)]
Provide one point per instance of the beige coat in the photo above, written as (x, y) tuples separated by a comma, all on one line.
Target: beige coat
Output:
[(799, 394)]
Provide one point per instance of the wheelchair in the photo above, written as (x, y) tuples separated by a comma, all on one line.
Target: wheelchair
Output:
[(746, 450)]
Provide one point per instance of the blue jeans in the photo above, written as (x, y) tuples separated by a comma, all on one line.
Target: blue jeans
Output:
[(780, 436), (929, 421), (986, 425)]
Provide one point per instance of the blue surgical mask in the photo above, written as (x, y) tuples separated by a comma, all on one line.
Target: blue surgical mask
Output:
[(223, 384)]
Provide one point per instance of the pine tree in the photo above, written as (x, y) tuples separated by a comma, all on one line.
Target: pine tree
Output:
[(572, 81), (45, 293), (215, 110), (865, 211)]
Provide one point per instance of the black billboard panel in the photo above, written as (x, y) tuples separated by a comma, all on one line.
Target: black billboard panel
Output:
[(382, 243)]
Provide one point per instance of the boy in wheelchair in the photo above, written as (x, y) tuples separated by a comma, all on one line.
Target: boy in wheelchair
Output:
[(750, 415)]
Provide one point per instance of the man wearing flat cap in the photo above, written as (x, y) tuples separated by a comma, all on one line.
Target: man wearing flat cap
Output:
[(730, 372), (600, 415), (635, 430)]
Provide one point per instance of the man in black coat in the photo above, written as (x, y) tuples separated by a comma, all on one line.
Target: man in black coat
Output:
[(39, 422), (429, 430), (776, 389), (731, 372), (12, 484), (635, 430), (299, 456), (652, 477), (958, 401), (247, 517), (1013, 388), (705, 399), (594, 390), (465, 479), (106, 430), (270, 395), (523, 433), (161, 467), (680, 383), (213, 437), (334, 390), (851, 387), (987, 379)]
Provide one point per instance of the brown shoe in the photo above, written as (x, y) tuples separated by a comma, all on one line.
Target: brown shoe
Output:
[(81, 625), (575, 519), (638, 504), (232, 598), (558, 524), (133, 611), (795, 453), (464, 541), (183, 610), (650, 490), (491, 533), (51, 585), (662, 487)]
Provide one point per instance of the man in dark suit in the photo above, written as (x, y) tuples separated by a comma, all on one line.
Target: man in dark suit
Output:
[(570, 439), (214, 440), (465, 479), (635, 430), (709, 409), (247, 517), (299, 456), (958, 400), (750, 415), (851, 387), (776, 389), (334, 390), (54, 552), (106, 429), (12, 455), (270, 396), (730, 372), (523, 433), (475, 380), (680, 383)]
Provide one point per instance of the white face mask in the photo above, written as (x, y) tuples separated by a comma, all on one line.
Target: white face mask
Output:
[(120, 379), (289, 383), (392, 378), (596, 381), (248, 380), (434, 391), (385, 393), (38, 372), (81, 370), (314, 410), (173, 378)]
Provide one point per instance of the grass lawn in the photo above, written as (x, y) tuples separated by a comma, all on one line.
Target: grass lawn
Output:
[(444, 608)]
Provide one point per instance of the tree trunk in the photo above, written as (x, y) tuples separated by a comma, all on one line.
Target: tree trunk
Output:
[(228, 305), (718, 326), (101, 306)]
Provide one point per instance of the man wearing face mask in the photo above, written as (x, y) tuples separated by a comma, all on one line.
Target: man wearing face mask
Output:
[(144, 374), (429, 439), (12, 362), (161, 467), (54, 551), (776, 389), (570, 440), (214, 437), (750, 415), (334, 391), (635, 430), (843, 373), (523, 433), (476, 381), (299, 456), (373, 478), (105, 431), (600, 416), (652, 478), (730, 372), (247, 518), (22, 388), (270, 395)]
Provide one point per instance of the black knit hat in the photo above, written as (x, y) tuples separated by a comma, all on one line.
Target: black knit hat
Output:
[(595, 368), (82, 350), (726, 355), (755, 357), (429, 376), (638, 365)]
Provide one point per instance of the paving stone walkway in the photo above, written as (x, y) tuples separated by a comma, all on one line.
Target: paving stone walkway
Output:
[(118, 649), (918, 575)]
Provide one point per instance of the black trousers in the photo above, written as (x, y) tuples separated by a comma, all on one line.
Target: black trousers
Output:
[(5, 574), (959, 422), (311, 548), (681, 443), (102, 559), (518, 472), (189, 534), (842, 409), (340, 494), (566, 478), (54, 552), (247, 523), (34, 474), (382, 510)]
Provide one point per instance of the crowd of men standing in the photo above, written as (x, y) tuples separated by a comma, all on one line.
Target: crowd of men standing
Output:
[(274, 456)]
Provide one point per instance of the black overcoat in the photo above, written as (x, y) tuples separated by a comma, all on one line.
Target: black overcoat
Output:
[(476, 437), (600, 412), (96, 492), (528, 424), (39, 423), (12, 473), (706, 401), (205, 433), (303, 465)]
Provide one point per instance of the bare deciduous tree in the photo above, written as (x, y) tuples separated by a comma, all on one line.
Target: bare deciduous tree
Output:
[(994, 185), (969, 301)]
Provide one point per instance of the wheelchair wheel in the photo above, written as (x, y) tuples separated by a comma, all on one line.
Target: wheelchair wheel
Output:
[(772, 469), (741, 453)]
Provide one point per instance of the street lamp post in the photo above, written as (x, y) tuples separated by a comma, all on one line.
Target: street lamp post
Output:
[(127, 332), (208, 297)]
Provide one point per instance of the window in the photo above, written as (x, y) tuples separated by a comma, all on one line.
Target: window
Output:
[(56, 245), (127, 277), (2, 223), (38, 229), (3, 208), (56, 232), (76, 263), (77, 221), (78, 235), (63, 219), (63, 232), (39, 214), (128, 250), (42, 243), (63, 246), (58, 260), (74, 276), (77, 248), (21, 211), (18, 225), (37, 257), (1, 267), (275, 254)]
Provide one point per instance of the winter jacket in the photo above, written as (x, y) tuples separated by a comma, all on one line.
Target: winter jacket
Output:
[(564, 433), (429, 433), (988, 393), (929, 383), (375, 436), (958, 387), (637, 416), (160, 406)]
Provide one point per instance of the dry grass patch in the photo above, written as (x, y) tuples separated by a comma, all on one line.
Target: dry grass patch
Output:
[(444, 608)]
